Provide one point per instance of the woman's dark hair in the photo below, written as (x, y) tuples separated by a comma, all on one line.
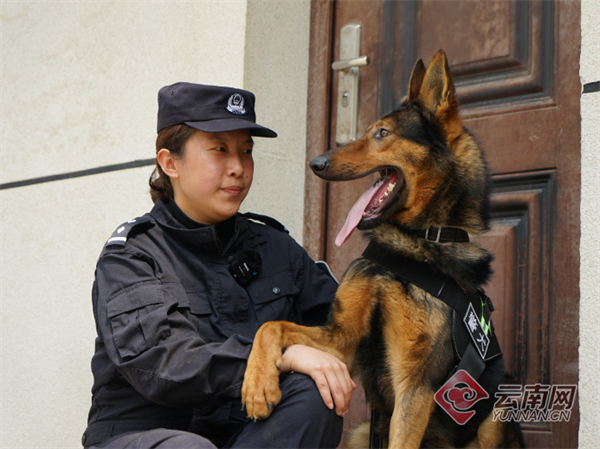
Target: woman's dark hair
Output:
[(173, 138)]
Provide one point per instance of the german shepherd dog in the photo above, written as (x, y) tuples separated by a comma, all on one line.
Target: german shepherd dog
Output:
[(392, 334)]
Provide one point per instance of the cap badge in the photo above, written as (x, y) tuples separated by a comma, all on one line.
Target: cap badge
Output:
[(235, 104)]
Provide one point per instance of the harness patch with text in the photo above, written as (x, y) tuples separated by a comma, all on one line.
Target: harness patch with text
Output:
[(477, 331)]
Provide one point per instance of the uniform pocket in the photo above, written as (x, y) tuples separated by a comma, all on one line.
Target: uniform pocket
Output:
[(272, 288), (138, 317), (198, 303), (273, 297)]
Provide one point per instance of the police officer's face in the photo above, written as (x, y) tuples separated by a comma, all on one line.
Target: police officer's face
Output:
[(214, 175)]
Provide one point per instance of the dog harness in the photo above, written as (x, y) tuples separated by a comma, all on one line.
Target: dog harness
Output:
[(473, 336), (474, 340)]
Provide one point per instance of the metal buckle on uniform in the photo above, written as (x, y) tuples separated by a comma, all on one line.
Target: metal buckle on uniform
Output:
[(437, 239)]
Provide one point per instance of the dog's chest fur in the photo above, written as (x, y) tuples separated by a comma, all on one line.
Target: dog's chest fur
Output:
[(409, 333)]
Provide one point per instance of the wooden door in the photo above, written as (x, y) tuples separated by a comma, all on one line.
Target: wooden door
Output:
[(515, 65)]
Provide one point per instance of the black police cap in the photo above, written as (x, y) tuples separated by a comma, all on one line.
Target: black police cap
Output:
[(209, 108)]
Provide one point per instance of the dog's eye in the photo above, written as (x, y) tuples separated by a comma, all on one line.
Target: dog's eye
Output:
[(381, 132)]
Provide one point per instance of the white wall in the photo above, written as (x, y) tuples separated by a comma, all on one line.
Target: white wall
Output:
[(79, 86), (80, 79), (277, 38), (51, 237), (589, 337)]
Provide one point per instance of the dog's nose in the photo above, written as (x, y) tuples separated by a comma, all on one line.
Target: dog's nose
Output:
[(319, 164)]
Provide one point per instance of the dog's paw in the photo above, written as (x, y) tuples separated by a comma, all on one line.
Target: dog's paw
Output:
[(260, 391)]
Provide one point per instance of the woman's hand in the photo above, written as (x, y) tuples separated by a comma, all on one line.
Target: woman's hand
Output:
[(329, 373)]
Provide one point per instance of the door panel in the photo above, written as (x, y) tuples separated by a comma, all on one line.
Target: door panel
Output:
[(515, 68), (500, 52), (522, 208)]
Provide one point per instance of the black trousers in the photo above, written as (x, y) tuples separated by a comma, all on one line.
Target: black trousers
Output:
[(301, 420)]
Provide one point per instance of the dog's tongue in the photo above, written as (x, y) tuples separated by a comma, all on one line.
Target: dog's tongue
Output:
[(355, 215)]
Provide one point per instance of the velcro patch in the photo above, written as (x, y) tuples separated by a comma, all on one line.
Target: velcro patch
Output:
[(119, 237), (478, 334)]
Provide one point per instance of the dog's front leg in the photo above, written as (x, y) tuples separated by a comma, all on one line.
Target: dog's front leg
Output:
[(260, 390), (412, 410), (348, 324)]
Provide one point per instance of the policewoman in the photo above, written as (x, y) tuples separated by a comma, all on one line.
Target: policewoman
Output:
[(180, 292)]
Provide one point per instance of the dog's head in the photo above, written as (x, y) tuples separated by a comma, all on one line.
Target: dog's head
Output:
[(432, 171)]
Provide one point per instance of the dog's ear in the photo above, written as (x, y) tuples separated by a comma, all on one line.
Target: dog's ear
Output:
[(439, 96), (437, 89), (416, 80)]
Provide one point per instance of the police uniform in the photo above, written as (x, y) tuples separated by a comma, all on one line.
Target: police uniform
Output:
[(177, 305), (175, 329)]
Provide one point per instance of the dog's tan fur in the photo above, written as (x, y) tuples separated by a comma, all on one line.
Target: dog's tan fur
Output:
[(447, 186)]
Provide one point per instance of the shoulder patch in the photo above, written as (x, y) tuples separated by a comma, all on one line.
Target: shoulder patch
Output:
[(265, 220), (322, 265), (119, 237)]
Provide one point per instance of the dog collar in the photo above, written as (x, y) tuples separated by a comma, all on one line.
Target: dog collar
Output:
[(443, 235)]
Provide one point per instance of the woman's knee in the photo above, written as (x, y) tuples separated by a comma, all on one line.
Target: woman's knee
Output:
[(301, 419), (301, 391)]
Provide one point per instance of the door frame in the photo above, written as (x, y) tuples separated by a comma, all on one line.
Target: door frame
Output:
[(317, 135)]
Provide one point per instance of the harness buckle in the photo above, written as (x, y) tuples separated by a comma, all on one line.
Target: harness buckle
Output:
[(437, 238)]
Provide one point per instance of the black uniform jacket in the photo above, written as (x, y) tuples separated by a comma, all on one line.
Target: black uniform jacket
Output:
[(174, 327)]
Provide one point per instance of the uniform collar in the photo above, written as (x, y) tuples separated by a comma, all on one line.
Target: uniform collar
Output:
[(205, 237)]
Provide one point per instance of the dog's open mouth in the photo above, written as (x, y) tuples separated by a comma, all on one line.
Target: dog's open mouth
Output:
[(369, 208)]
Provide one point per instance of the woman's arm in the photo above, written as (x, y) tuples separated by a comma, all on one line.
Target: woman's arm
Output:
[(152, 343)]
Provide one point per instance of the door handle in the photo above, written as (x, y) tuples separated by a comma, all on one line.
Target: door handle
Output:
[(348, 82), (349, 63)]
